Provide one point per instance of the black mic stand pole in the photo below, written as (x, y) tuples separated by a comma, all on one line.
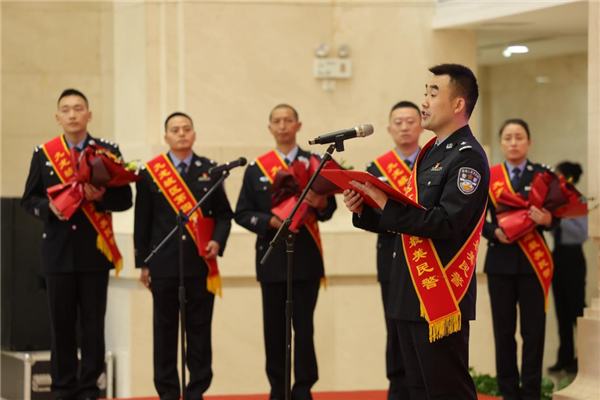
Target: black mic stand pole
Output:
[(182, 220), (284, 233)]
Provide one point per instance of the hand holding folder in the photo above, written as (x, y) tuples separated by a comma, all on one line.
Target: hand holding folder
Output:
[(342, 179)]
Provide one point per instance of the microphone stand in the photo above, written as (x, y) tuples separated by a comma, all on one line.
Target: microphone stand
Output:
[(182, 221), (284, 233)]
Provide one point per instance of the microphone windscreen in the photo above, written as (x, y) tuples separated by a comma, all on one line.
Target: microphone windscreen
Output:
[(243, 161), (366, 129)]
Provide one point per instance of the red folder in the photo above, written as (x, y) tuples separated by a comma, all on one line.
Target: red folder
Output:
[(342, 179)]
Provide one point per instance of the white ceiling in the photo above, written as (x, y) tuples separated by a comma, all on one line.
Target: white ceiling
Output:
[(552, 31), (548, 28)]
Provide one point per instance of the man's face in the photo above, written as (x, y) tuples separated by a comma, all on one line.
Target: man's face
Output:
[(439, 105), (405, 126), (73, 114), (514, 143), (284, 126), (180, 135)]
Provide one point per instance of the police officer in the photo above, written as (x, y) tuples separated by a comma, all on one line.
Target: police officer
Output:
[(253, 212), (164, 179), (434, 260), (512, 278), (394, 168), (76, 270)]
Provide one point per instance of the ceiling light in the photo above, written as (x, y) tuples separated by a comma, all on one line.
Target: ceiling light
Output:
[(518, 49)]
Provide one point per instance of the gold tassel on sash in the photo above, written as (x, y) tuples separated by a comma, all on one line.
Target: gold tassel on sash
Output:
[(444, 327), (214, 285), (105, 249)]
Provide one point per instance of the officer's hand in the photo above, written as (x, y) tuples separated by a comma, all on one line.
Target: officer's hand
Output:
[(315, 200), (92, 193), (540, 217), (275, 222), (353, 201), (373, 192), (57, 212), (145, 278), (501, 236), (213, 249)]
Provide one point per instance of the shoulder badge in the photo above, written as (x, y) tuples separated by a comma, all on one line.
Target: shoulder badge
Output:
[(468, 180)]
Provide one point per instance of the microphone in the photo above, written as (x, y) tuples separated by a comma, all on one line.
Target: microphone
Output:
[(240, 162), (357, 131)]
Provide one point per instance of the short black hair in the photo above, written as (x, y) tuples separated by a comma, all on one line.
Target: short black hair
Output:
[(571, 171), (463, 81), (72, 92), (405, 104), (283, 105), (515, 121), (177, 114)]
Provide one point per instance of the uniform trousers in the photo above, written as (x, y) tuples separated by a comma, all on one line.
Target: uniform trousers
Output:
[(198, 317), (304, 296), (70, 294), (398, 389), (506, 293), (568, 287), (438, 370)]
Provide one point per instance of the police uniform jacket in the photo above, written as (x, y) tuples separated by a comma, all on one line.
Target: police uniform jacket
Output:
[(253, 212), (69, 246), (450, 217), (155, 218), (509, 258)]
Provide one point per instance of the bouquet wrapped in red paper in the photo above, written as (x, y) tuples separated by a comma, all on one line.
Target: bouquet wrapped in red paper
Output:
[(95, 165), (289, 184), (547, 191)]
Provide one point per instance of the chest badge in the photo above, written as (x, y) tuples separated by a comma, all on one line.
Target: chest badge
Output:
[(204, 178), (468, 180), (437, 168)]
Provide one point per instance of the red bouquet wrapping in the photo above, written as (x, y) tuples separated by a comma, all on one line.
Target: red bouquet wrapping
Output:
[(95, 165), (289, 184), (547, 191)]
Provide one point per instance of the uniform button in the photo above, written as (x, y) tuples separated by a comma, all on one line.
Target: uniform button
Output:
[(394, 255), (210, 212), (51, 172), (183, 237), (428, 183), (260, 247), (206, 189), (264, 188), (74, 227), (43, 236)]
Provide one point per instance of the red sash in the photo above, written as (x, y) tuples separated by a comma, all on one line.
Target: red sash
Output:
[(270, 163), (394, 169), (58, 154), (180, 197), (532, 244), (439, 288)]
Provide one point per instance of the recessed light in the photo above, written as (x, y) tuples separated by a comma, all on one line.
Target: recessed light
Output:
[(510, 50)]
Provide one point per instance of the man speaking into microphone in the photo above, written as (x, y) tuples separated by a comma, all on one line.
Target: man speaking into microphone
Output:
[(253, 212), (432, 288), (172, 182)]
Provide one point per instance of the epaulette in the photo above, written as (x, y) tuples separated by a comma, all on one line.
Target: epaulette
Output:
[(37, 148)]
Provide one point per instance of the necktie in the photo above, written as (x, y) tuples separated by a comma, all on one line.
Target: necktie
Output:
[(287, 161), (515, 178), (182, 169), (408, 163)]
